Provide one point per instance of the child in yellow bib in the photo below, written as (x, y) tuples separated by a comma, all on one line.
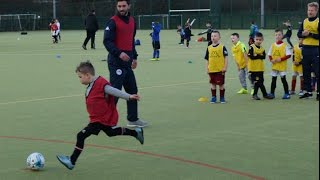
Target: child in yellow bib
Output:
[(239, 52), (278, 54), (216, 66), (297, 68), (256, 55)]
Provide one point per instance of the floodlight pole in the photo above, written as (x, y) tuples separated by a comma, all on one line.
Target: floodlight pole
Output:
[(262, 13), (54, 9)]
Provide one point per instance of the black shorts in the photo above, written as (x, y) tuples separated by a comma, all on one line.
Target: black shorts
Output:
[(257, 76), (156, 44), (95, 128)]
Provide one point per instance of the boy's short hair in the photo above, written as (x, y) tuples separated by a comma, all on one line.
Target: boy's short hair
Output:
[(235, 34), (278, 30), (215, 31), (259, 34), (85, 67), (314, 4)]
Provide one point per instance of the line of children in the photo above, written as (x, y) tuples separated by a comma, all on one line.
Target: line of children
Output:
[(278, 54)]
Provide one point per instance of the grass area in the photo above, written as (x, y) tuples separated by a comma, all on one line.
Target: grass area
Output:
[(42, 108)]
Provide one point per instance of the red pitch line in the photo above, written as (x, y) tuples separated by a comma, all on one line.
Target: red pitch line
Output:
[(231, 171)]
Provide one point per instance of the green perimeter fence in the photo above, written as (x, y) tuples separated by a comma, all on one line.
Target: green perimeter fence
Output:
[(235, 21), (223, 14)]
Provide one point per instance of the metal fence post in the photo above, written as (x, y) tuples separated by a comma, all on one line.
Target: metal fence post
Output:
[(54, 9), (262, 13)]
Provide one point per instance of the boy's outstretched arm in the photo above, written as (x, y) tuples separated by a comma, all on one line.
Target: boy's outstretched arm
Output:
[(121, 94), (188, 20), (203, 32), (192, 22)]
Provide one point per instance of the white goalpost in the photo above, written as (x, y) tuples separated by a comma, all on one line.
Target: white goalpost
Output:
[(17, 22), (189, 10), (181, 12)]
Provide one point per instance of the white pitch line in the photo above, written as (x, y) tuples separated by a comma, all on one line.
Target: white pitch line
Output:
[(170, 85), (270, 137), (51, 54), (40, 50), (39, 99), (77, 95)]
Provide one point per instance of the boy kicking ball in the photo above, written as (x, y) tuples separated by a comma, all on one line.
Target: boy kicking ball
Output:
[(102, 111)]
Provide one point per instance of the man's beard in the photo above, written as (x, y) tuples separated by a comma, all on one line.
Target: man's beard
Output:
[(123, 13)]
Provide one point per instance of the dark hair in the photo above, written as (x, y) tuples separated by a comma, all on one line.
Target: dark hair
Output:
[(128, 1), (235, 34), (85, 67), (259, 34), (278, 30), (215, 31)]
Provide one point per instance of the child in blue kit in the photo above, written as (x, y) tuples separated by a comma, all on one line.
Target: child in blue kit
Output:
[(156, 28)]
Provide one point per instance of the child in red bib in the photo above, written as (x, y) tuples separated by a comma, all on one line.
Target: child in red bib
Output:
[(103, 114)]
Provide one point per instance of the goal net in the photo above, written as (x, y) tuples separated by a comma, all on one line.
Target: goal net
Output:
[(198, 17), (17, 22), (166, 21)]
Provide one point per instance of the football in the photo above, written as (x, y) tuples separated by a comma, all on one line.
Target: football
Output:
[(35, 161)]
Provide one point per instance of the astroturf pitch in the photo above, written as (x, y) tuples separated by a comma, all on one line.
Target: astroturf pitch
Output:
[(42, 109)]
